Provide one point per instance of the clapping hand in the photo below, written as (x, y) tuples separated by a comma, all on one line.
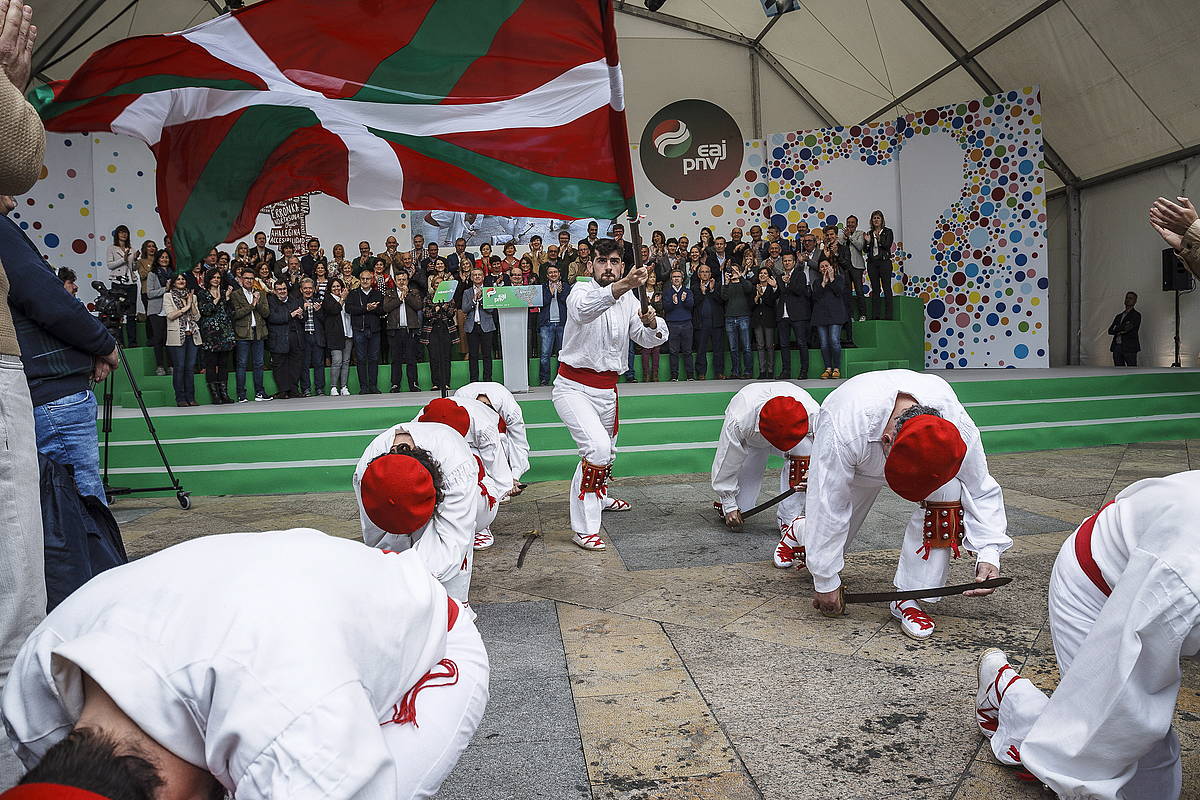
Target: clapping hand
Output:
[(1172, 219), (17, 35)]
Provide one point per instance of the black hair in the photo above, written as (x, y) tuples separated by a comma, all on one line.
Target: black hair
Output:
[(914, 411), (425, 459), (605, 247), (88, 759), (65, 274), (122, 229), (209, 275)]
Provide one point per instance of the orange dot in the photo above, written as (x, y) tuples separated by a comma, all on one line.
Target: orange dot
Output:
[(717, 211)]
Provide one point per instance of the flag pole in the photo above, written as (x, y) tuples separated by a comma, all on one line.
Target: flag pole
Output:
[(635, 230)]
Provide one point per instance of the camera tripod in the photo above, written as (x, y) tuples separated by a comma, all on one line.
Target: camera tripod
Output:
[(185, 502)]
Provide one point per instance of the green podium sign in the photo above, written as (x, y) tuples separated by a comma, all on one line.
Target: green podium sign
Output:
[(512, 296)]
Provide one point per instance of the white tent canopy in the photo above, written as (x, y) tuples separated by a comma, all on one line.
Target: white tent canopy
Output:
[(1118, 90)]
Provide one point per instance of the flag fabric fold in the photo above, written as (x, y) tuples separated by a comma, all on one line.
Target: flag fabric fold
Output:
[(507, 107)]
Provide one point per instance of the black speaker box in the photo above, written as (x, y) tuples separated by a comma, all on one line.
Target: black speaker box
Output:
[(1175, 276)]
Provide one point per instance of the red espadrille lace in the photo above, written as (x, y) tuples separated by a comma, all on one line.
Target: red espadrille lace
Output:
[(590, 541), (785, 552), (917, 617), (405, 712), (617, 504)]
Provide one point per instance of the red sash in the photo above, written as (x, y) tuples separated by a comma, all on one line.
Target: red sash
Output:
[(1083, 552), (589, 377)]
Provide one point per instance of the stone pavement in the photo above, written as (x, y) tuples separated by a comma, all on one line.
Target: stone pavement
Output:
[(681, 664)]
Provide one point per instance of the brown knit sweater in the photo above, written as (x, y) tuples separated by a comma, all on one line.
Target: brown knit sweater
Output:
[(20, 166)]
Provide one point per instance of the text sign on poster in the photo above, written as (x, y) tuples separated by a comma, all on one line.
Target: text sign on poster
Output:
[(512, 296)]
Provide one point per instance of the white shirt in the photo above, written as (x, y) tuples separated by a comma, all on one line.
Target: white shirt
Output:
[(1118, 697), (509, 409), (600, 326), (483, 439), (276, 684), (250, 299), (847, 450), (740, 435), (446, 539)]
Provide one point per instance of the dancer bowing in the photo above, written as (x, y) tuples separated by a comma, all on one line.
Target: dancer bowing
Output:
[(150, 681), (603, 315), (417, 487), (765, 419), (1124, 608), (511, 425), (479, 425), (909, 430)]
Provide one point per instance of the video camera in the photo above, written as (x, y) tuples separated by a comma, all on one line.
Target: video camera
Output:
[(112, 307)]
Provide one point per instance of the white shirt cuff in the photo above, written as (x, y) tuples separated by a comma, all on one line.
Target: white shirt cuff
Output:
[(988, 555), (830, 584)]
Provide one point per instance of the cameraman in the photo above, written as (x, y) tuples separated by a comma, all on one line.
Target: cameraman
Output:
[(63, 347)]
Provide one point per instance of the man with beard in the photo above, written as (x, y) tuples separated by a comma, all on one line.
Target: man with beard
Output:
[(603, 315)]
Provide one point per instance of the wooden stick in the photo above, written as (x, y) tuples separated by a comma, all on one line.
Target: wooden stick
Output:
[(635, 230)]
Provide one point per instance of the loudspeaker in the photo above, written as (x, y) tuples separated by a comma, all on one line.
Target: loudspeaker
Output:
[(1175, 276)]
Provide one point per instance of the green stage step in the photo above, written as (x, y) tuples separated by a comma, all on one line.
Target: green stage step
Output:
[(675, 431), (898, 343)]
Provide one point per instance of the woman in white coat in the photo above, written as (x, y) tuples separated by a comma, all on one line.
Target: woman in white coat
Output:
[(183, 338)]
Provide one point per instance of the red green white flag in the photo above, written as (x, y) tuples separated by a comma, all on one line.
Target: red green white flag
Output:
[(508, 107)]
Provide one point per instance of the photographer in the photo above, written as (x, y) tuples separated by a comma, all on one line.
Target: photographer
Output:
[(63, 348)]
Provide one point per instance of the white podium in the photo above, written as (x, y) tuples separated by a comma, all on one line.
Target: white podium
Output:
[(512, 305)]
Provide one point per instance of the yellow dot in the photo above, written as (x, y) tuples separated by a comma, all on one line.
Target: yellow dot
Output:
[(83, 212), (96, 140), (112, 167), (773, 187), (793, 216), (974, 298), (141, 233), (42, 175), (1033, 301)]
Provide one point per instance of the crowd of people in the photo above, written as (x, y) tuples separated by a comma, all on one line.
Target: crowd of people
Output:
[(310, 315)]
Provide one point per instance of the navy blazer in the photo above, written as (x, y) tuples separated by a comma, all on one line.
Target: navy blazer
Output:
[(795, 296), (561, 299)]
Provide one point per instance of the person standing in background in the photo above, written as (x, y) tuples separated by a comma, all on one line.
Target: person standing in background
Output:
[(678, 303), (183, 339), (650, 355), (339, 337), (552, 320), (855, 243), (480, 326), (1124, 330), (736, 292), (285, 340), (122, 268), (157, 281), (878, 246), (763, 319), (250, 310), (216, 334), (439, 333), (829, 314), (312, 341), (363, 305), (143, 265), (403, 307)]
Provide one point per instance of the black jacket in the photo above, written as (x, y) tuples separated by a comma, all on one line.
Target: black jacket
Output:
[(1125, 334), (414, 299), (763, 314), (828, 303), (886, 237), (281, 325), (360, 318), (331, 318), (709, 311), (795, 296)]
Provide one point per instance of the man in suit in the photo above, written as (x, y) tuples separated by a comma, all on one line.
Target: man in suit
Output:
[(285, 340), (308, 264), (460, 261), (312, 338), (626, 248), (403, 309), (364, 305), (480, 325), (709, 323), (1124, 330), (260, 252), (249, 330), (793, 310), (852, 238), (719, 256)]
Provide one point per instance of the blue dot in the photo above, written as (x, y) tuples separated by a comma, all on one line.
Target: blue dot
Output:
[(1021, 351), (781, 205), (51, 240), (760, 189), (1021, 260), (986, 209), (1015, 236), (935, 309), (1025, 167)]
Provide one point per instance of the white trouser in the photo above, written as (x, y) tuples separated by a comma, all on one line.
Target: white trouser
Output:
[(447, 717), (518, 460), (914, 570), (485, 512), (458, 586), (750, 479), (590, 415), (1075, 603)]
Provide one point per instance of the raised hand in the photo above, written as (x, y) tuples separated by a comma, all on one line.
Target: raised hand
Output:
[(17, 35)]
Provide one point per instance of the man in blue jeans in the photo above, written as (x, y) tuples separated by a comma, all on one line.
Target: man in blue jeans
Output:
[(63, 349), (552, 321), (250, 311)]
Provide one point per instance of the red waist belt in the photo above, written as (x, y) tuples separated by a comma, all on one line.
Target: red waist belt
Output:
[(1083, 551), (589, 377)]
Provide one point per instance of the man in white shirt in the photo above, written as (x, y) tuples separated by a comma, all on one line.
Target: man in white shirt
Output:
[(603, 315), (1124, 609), (147, 682), (853, 238), (909, 430), (479, 425), (417, 487), (765, 419), (511, 425)]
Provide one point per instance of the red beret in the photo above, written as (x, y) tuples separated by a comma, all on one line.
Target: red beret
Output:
[(398, 493), (447, 412), (927, 453), (49, 791), (783, 421)]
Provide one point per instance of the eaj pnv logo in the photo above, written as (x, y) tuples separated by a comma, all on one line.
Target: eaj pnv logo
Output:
[(691, 150)]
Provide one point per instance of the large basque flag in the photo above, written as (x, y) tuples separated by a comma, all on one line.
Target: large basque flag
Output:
[(509, 107)]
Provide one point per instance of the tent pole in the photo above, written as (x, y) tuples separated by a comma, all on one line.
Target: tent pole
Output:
[(1075, 276)]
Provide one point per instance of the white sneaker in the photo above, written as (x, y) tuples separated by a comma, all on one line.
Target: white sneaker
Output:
[(589, 541), (345, 391), (915, 623), (333, 392), (614, 504), (484, 539)]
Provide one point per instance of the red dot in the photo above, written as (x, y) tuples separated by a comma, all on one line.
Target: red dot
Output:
[(71, 173), (997, 194), (931, 117), (79, 246)]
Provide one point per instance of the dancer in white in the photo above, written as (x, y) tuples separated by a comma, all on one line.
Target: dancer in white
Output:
[(479, 425), (602, 316), (417, 487), (511, 425), (1124, 608), (765, 419), (320, 668), (909, 430)]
